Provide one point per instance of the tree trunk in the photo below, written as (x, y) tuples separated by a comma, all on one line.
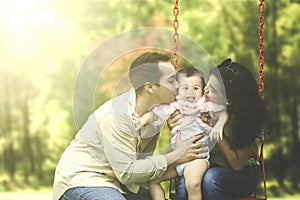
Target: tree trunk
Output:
[(274, 89), (8, 150), (295, 149), (39, 158), (29, 165)]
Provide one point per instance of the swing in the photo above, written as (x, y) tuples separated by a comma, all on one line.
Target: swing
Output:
[(260, 159)]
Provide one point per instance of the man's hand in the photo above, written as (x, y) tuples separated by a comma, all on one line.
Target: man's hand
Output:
[(185, 151)]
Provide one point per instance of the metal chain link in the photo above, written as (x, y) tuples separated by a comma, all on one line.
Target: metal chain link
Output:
[(261, 47), (261, 61), (175, 35)]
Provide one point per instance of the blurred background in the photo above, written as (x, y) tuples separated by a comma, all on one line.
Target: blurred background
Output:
[(45, 43)]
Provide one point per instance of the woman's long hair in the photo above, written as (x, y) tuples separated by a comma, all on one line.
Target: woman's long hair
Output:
[(245, 106)]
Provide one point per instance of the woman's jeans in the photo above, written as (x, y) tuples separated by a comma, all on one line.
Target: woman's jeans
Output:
[(220, 183), (103, 193)]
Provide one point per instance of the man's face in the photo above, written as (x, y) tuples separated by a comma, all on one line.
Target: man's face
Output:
[(213, 90), (190, 88), (168, 83)]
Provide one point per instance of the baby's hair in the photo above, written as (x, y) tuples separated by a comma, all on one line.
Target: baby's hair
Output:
[(191, 71)]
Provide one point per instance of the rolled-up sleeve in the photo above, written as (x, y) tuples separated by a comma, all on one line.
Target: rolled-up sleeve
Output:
[(121, 150)]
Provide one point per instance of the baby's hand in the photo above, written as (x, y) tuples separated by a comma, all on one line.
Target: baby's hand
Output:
[(216, 133), (136, 120)]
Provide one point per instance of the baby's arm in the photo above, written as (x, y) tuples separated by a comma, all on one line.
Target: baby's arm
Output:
[(158, 115), (144, 120), (217, 131)]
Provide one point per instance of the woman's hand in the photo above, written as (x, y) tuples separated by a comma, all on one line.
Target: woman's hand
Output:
[(205, 117), (174, 119)]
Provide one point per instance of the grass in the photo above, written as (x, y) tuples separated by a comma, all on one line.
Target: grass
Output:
[(27, 195), (285, 198)]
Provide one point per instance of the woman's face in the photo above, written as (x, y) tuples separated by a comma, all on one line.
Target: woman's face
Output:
[(214, 90)]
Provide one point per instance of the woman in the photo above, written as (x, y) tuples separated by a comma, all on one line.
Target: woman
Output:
[(229, 175)]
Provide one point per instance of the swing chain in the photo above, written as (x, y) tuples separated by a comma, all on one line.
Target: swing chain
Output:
[(261, 46), (175, 36), (261, 60)]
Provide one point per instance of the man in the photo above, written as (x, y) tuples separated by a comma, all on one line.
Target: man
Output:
[(109, 157)]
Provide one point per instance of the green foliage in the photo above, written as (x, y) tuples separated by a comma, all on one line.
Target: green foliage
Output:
[(44, 45)]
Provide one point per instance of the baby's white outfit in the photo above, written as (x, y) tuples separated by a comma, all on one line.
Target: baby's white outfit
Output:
[(191, 124)]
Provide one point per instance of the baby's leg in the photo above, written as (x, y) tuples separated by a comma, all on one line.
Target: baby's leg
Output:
[(193, 174), (156, 191)]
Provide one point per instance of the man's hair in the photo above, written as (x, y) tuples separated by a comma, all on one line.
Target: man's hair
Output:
[(192, 71), (145, 69), (149, 57)]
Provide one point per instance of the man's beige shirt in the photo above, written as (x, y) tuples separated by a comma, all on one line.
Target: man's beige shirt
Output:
[(108, 150)]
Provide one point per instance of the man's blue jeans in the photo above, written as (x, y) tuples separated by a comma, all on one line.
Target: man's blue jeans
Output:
[(220, 183), (103, 193)]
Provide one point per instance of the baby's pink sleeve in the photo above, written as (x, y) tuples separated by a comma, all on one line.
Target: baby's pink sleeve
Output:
[(163, 111)]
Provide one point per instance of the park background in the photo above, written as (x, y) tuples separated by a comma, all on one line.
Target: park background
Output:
[(44, 44)]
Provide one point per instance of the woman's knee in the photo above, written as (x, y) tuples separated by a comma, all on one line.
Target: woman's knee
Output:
[(211, 180), (209, 176)]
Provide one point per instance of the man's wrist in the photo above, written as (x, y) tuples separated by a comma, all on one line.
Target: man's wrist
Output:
[(172, 157)]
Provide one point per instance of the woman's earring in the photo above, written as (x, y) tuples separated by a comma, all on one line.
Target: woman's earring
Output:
[(228, 102)]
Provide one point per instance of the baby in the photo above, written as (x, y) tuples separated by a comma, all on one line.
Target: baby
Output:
[(191, 103)]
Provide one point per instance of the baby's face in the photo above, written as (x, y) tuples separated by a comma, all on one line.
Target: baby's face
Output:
[(190, 88)]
